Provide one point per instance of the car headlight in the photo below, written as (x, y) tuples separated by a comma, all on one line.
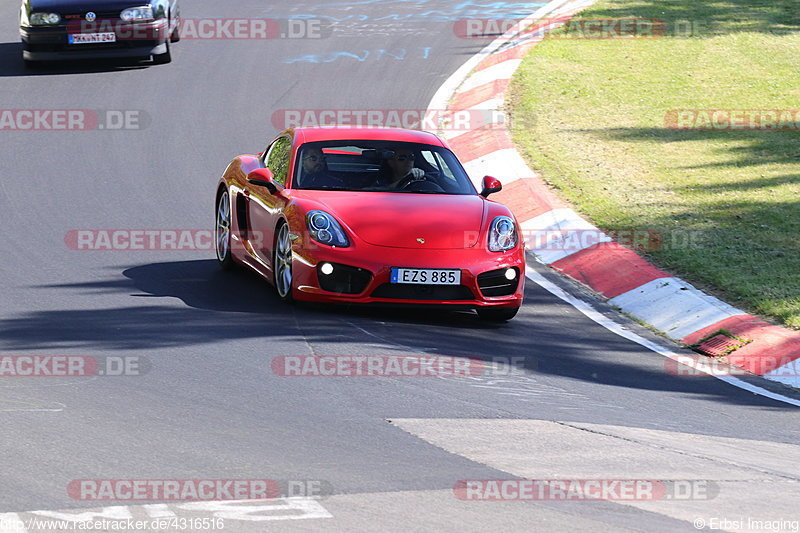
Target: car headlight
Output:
[(44, 19), (502, 234), (137, 13), (325, 230)]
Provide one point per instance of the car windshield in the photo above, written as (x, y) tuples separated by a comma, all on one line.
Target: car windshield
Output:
[(380, 166)]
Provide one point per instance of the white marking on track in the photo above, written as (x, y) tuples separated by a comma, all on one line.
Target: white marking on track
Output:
[(505, 162), (620, 330), (228, 511), (284, 509), (3, 409)]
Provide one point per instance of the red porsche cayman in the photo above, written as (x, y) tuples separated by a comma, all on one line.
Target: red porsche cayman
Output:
[(370, 215)]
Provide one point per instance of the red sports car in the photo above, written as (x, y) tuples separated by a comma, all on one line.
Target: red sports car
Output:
[(370, 216)]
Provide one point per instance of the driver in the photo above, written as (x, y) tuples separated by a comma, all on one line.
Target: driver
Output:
[(315, 171), (399, 170)]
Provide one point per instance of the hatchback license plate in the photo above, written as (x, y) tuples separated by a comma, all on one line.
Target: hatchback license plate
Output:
[(92, 38), (426, 276)]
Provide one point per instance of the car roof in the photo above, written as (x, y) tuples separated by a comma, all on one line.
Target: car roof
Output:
[(341, 133)]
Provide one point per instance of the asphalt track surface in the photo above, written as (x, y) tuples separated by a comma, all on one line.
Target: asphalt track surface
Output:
[(210, 407)]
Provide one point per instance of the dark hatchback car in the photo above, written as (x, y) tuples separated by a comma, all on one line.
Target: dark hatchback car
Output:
[(54, 30)]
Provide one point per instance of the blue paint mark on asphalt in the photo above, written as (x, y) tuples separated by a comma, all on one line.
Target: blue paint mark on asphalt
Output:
[(462, 5), (458, 11), (397, 54), (485, 10)]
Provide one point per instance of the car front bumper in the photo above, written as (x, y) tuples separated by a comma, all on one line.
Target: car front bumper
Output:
[(132, 40), (376, 262)]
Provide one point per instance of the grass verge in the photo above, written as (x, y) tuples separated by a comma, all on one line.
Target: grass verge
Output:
[(727, 201)]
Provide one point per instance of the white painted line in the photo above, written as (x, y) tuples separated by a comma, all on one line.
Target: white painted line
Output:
[(560, 233), (788, 374), (500, 71), (674, 307), (292, 508), (505, 165), (620, 330), (31, 409), (287, 509)]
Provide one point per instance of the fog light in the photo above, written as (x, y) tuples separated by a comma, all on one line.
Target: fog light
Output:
[(326, 269), (511, 274)]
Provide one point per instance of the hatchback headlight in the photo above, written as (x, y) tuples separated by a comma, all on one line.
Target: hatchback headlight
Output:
[(137, 13), (44, 19), (325, 230), (502, 234)]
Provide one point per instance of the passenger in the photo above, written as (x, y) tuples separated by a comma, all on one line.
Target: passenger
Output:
[(315, 171)]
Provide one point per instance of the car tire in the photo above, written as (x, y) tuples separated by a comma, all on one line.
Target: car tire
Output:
[(163, 59), (175, 36), (32, 65), (282, 263), (502, 314), (222, 231)]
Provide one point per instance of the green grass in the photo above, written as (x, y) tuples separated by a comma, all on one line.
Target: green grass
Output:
[(727, 202)]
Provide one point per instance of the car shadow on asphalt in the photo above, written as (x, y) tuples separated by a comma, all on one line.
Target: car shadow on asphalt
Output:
[(215, 305), (11, 64), (194, 303)]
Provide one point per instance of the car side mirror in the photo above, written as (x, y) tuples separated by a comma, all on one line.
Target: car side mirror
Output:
[(491, 185), (262, 177)]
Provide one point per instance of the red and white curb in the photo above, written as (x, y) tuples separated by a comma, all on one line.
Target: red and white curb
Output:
[(669, 304)]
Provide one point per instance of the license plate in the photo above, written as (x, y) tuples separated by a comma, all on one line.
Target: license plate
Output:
[(426, 276), (92, 38)]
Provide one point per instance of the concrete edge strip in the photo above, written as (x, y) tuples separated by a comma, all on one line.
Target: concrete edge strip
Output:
[(667, 303)]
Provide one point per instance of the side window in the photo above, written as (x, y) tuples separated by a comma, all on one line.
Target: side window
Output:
[(443, 166), (278, 159)]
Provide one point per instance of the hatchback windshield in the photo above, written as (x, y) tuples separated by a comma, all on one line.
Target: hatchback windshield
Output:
[(380, 166)]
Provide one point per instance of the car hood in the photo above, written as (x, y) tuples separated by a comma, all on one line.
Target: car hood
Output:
[(407, 220), (81, 6)]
